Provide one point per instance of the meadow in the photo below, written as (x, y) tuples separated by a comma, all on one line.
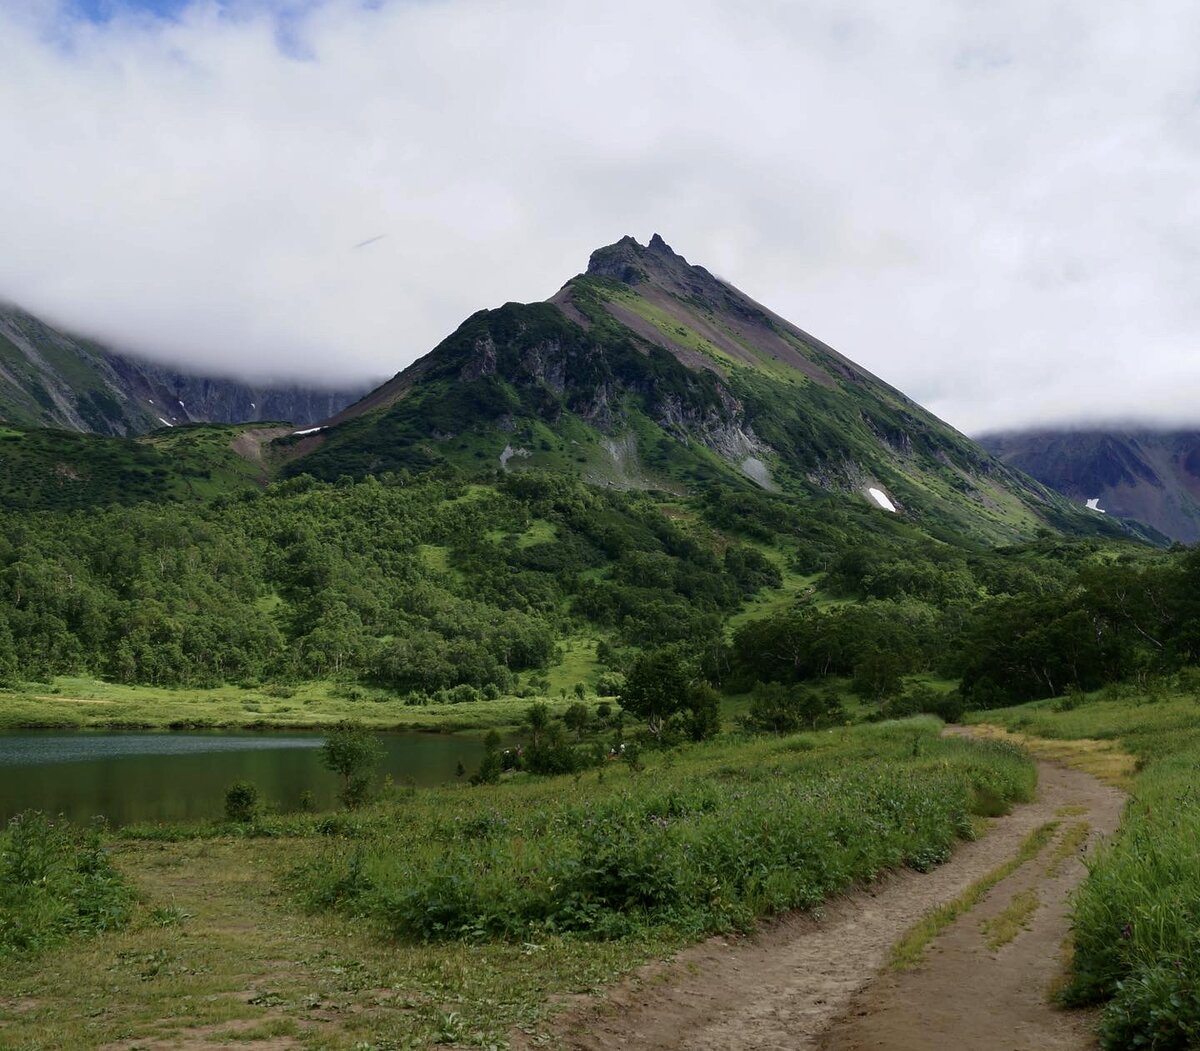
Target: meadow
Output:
[(460, 912), (82, 703)]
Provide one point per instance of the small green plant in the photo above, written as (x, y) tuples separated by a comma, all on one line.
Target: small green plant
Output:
[(241, 802)]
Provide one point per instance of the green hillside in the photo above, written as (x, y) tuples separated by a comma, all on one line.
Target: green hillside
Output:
[(64, 470)]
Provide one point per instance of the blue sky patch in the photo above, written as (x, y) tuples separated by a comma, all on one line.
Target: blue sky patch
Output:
[(103, 10)]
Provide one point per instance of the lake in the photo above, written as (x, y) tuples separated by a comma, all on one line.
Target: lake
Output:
[(181, 776)]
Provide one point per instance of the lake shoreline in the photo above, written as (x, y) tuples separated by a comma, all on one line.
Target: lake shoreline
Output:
[(79, 703)]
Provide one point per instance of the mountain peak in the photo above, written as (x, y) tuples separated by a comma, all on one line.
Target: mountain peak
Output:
[(631, 262), (657, 244)]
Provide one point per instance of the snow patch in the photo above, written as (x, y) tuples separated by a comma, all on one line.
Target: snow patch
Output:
[(311, 430), (881, 498), (165, 423), (1094, 505)]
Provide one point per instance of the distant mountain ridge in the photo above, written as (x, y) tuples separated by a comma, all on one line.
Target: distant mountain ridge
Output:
[(49, 378), (649, 372), (1151, 476)]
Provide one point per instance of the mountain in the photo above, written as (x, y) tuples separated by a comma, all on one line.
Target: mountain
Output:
[(1150, 476), (49, 378), (648, 372)]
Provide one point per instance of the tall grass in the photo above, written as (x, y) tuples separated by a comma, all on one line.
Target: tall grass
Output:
[(56, 880), (1137, 914), (705, 841)]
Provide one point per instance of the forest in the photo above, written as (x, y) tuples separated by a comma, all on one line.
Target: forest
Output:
[(438, 586)]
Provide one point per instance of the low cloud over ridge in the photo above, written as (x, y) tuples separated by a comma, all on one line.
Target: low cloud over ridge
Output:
[(992, 207)]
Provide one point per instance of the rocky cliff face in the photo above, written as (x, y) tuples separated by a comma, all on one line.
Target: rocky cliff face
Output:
[(1150, 476), (49, 378)]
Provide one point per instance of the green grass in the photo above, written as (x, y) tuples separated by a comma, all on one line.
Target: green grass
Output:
[(710, 839), (1011, 921), (910, 950), (577, 663), (89, 704), (1137, 915), (1068, 846)]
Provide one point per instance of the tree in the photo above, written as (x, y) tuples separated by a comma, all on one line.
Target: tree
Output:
[(656, 687), (661, 685), (537, 721), (776, 708), (351, 751), (878, 675), (492, 764), (577, 717), (704, 712)]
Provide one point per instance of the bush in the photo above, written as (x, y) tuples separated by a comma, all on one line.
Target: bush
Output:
[(610, 684), (241, 802), (690, 851), (923, 699)]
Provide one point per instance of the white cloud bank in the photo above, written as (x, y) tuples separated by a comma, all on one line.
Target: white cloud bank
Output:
[(993, 206)]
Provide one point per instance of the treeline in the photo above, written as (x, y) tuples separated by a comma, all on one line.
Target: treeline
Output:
[(417, 584), (1038, 620)]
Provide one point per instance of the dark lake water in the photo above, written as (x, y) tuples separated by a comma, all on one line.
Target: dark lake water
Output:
[(180, 776)]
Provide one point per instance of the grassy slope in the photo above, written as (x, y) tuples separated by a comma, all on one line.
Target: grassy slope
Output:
[(62, 470), (89, 704)]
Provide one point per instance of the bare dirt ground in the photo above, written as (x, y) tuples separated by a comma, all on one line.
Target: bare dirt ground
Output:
[(249, 445), (822, 981)]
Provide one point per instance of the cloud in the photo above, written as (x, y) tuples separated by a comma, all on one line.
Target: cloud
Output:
[(991, 206)]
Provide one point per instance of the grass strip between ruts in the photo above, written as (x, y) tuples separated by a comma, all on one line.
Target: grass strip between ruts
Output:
[(910, 950), (1006, 925)]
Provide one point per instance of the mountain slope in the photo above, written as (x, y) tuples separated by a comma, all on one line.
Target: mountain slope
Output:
[(1146, 475), (648, 372), (51, 379)]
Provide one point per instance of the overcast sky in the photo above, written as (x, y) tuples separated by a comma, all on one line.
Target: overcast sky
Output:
[(994, 206)]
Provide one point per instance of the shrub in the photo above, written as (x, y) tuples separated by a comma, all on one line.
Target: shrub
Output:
[(56, 881), (688, 851), (241, 801)]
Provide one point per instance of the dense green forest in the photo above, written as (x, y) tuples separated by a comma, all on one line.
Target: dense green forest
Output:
[(439, 586)]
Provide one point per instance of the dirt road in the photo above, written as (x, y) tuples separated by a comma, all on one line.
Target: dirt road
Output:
[(822, 982)]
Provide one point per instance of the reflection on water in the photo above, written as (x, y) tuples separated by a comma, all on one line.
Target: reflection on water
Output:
[(180, 776)]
